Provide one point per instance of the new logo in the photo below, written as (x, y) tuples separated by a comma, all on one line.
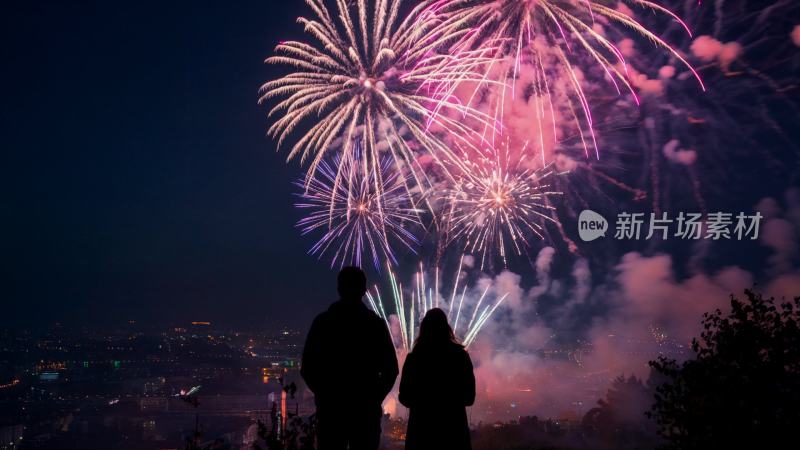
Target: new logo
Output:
[(591, 225)]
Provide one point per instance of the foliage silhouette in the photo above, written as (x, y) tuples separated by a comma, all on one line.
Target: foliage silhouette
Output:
[(619, 421), (742, 388), (299, 433)]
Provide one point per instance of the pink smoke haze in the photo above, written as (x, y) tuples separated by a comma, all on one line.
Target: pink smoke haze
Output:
[(666, 72), (651, 310), (709, 49), (524, 121), (686, 157)]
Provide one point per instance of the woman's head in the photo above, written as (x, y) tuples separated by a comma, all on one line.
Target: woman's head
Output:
[(435, 329)]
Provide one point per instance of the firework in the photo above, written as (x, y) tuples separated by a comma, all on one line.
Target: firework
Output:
[(357, 218), (375, 79), (543, 36), (499, 205), (692, 146), (679, 150), (410, 307)]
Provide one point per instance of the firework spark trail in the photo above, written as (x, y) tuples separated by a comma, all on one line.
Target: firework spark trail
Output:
[(358, 219), (544, 35), (409, 315), (472, 331), (499, 203), (372, 78), (455, 287), (684, 146), (477, 307)]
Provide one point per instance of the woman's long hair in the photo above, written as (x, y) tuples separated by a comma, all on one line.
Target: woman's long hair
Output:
[(435, 330)]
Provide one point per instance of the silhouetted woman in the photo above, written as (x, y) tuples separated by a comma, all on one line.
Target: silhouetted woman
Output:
[(437, 385)]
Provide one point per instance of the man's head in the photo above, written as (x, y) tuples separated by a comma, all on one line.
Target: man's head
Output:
[(352, 283)]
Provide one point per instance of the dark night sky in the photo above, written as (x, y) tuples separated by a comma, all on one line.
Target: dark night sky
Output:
[(138, 181)]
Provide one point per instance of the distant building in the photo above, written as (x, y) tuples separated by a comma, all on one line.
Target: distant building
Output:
[(154, 386), (200, 328), (11, 436), (48, 376), (152, 404)]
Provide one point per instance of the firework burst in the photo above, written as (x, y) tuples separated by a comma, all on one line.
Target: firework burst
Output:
[(542, 37), (356, 218), (374, 79), (499, 205), (679, 150), (471, 315)]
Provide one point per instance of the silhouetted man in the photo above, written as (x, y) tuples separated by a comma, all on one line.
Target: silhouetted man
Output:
[(349, 363)]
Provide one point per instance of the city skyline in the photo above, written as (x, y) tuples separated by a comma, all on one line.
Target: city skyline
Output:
[(588, 202)]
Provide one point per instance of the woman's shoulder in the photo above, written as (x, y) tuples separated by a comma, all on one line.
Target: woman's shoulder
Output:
[(454, 350), (450, 349), (458, 347), (460, 352)]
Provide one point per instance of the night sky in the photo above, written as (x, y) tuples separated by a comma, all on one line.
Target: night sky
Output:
[(138, 181)]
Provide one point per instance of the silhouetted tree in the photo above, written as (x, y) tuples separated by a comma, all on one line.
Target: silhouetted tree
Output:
[(742, 388), (619, 420), (217, 444), (269, 439), (299, 434)]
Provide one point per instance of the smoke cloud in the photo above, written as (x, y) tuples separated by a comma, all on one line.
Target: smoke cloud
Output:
[(524, 366), (709, 49)]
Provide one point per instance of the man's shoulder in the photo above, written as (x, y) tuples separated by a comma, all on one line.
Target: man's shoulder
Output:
[(321, 319), (372, 315), (341, 309), (338, 315), (373, 318)]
